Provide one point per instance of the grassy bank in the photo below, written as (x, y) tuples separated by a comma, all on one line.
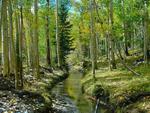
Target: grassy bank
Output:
[(125, 91)]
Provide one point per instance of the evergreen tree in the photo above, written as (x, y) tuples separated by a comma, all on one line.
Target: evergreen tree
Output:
[(64, 31)]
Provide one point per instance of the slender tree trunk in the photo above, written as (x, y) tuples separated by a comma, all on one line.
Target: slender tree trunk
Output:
[(97, 42), (48, 49), (125, 29), (57, 38), (81, 46), (5, 39), (93, 38), (133, 40), (146, 35), (80, 53), (107, 46), (13, 65), (17, 78), (126, 40), (30, 42), (36, 60), (21, 48), (10, 34), (12, 47), (1, 14), (26, 49), (109, 51), (111, 38)]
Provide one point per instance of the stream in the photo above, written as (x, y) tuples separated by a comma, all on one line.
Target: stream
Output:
[(68, 97)]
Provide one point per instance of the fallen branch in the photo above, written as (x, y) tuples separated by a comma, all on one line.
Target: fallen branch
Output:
[(125, 65), (104, 104)]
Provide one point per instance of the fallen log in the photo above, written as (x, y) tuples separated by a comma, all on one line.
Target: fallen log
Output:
[(133, 98)]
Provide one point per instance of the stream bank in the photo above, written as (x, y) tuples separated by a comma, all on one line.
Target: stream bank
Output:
[(68, 96), (122, 92), (36, 95)]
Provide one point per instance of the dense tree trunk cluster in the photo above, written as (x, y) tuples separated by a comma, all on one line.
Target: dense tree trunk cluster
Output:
[(97, 31), (19, 37), (115, 26)]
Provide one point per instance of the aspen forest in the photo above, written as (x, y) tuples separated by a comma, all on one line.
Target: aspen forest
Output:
[(74, 56)]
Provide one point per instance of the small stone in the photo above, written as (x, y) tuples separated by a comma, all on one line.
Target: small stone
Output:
[(1, 110)]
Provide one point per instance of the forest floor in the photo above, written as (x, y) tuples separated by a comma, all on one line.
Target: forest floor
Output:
[(121, 90), (36, 95)]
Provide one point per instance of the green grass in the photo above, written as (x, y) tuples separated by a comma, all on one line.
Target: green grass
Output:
[(119, 83)]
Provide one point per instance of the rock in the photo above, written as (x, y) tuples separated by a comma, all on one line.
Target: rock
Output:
[(2, 110), (138, 62)]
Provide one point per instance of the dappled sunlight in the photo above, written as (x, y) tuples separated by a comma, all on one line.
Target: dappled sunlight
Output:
[(74, 56)]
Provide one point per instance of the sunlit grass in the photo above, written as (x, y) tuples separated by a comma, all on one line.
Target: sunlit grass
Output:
[(119, 82)]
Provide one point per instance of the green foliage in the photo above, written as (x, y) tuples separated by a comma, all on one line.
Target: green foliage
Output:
[(64, 31)]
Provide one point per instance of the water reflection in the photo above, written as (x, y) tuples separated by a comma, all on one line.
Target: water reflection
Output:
[(70, 91)]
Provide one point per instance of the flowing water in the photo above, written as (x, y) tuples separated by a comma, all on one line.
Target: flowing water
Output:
[(69, 97)]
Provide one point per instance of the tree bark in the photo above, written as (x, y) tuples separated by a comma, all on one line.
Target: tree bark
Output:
[(21, 48), (30, 42), (17, 79), (93, 39), (146, 36), (125, 29), (111, 39), (36, 60), (48, 49), (5, 39), (1, 14), (57, 38), (13, 65), (12, 49)]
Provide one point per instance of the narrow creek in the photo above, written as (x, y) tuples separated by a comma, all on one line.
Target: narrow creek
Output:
[(69, 97)]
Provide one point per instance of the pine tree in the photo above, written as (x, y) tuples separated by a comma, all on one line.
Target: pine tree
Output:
[(64, 31)]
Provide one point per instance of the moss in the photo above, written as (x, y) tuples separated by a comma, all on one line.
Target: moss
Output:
[(47, 97)]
